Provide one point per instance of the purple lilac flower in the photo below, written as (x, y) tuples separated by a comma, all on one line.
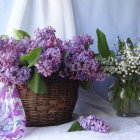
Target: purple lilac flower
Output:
[(27, 45), (78, 43), (50, 42), (44, 33), (10, 52), (83, 39), (49, 61), (93, 123), (15, 75), (80, 63), (46, 38), (100, 76), (81, 66)]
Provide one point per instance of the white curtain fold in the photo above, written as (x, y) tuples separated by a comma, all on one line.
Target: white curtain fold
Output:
[(30, 14)]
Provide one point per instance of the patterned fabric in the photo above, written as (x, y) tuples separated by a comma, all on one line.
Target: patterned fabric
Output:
[(12, 115)]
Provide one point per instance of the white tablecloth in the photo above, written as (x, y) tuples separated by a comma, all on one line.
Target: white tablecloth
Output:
[(88, 103)]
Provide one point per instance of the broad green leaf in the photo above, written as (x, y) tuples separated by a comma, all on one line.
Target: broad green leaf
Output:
[(19, 34), (102, 44), (75, 127), (4, 36), (37, 83), (32, 57), (85, 84)]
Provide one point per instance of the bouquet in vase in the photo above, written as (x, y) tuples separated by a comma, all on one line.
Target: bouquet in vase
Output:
[(124, 65)]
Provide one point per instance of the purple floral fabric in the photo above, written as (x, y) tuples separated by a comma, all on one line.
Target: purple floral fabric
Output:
[(12, 115)]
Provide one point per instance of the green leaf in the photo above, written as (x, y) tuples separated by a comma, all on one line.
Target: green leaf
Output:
[(32, 57), (37, 83), (65, 55), (23, 63), (121, 44), (102, 44), (130, 42), (19, 34), (4, 36), (112, 53), (98, 57), (87, 46), (85, 84), (75, 127)]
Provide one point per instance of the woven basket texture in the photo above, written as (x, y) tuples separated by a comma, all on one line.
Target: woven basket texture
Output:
[(52, 108)]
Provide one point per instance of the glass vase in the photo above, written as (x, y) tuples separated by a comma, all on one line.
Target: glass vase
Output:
[(125, 97)]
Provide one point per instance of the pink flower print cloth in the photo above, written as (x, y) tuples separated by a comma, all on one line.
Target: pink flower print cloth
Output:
[(12, 115)]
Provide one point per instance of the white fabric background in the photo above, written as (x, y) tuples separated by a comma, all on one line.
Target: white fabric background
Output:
[(114, 17), (31, 14), (70, 17)]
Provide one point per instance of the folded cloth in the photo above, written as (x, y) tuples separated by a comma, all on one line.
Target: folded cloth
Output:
[(12, 115)]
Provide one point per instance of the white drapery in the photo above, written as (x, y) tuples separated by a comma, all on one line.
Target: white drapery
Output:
[(31, 14)]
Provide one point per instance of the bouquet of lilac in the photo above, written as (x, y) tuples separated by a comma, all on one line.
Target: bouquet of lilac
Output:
[(26, 61)]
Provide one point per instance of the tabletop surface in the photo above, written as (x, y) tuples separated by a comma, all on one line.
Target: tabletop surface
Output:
[(120, 128)]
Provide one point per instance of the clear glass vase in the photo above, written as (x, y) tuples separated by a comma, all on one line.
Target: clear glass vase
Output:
[(125, 97)]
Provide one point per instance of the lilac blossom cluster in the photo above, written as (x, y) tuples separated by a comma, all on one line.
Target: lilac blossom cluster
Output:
[(49, 62), (78, 43), (46, 38), (72, 59), (51, 57), (10, 52), (93, 123), (80, 63)]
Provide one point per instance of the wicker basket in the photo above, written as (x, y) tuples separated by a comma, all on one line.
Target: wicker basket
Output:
[(53, 108)]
